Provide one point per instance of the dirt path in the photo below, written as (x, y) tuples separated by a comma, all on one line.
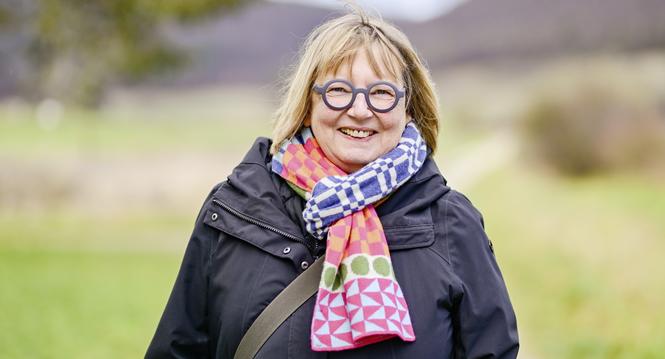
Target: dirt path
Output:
[(464, 171), (109, 184)]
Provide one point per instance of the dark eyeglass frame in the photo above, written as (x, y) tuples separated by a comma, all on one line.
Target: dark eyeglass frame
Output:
[(321, 90)]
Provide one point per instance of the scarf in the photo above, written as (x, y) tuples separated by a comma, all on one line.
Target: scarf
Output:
[(359, 301)]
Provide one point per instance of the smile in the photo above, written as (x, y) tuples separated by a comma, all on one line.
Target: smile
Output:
[(356, 133)]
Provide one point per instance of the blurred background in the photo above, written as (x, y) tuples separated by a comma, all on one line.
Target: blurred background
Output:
[(117, 117)]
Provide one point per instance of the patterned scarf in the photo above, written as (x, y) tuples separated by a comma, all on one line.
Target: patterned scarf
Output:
[(359, 301)]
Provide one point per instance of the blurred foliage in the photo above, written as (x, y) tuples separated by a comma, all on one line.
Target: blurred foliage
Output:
[(582, 260), (595, 117), (4, 16), (72, 50)]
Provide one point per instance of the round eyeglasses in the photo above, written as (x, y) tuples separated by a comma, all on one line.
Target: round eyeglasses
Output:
[(338, 94)]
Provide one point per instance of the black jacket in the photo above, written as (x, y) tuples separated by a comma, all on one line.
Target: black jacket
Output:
[(249, 243)]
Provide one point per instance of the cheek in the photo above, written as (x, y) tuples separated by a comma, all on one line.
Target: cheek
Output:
[(323, 116), (396, 120)]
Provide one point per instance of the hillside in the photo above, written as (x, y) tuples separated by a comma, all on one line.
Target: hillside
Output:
[(254, 44), (481, 30)]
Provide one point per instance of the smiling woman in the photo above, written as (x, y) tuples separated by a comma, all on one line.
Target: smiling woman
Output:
[(352, 125), (341, 235)]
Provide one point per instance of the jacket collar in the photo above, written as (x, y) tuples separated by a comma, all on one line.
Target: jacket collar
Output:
[(255, 191)]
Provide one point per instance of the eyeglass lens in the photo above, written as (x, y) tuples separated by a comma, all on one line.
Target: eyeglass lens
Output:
[(381, 96)]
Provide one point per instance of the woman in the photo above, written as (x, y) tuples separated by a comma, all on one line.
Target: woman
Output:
[(408, 270)]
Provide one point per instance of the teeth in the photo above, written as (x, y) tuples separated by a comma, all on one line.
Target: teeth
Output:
[(356, 133)]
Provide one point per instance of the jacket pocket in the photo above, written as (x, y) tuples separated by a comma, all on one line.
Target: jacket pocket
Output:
[(250, 232), (408, 237)]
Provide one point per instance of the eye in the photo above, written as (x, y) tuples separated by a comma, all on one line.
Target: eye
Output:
[(338, 89), (382, 92)]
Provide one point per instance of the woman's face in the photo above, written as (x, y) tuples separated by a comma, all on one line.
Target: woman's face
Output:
[(354, 137)]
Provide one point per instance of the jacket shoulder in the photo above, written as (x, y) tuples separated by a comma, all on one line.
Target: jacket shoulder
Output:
[(458, 205), (458, 225)]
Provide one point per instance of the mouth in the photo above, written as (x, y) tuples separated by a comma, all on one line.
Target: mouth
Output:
[(356, 133)]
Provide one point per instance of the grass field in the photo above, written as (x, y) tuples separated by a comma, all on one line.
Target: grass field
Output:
[(81, 285), (582, 260), (580, 257), (81, 303), (81, 131)]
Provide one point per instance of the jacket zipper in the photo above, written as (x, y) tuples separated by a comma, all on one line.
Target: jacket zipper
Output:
[(257, 222)]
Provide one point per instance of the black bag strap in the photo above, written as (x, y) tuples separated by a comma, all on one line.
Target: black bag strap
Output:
[(288, 301)]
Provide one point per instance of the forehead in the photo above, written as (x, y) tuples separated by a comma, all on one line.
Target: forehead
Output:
[(383, 63)]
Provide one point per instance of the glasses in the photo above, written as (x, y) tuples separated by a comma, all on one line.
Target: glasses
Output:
[(338, 94)]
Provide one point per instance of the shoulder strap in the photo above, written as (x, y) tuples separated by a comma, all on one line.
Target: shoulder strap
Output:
[(286, 302)]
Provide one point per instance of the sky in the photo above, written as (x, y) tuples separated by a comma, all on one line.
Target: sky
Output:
[(415, 10)]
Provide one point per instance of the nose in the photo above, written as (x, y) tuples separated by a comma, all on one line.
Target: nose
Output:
[(359, 108)]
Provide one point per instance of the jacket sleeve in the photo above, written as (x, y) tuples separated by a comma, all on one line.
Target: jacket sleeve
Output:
[(182, 331), (483, 318)]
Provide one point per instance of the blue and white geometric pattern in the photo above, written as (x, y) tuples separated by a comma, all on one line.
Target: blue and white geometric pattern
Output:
[(335, 197)]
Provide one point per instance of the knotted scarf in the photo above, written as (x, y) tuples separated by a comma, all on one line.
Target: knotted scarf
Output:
[(359, 301)]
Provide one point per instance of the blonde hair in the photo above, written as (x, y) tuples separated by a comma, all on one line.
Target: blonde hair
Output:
[(336, 42)]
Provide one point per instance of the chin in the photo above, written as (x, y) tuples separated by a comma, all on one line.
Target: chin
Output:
[(354, 163)]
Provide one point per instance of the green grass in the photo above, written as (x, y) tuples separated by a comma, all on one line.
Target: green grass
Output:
[(147, 231), (86, 285), (80, 134), (582, 260), (81, 304), (128, 130)]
